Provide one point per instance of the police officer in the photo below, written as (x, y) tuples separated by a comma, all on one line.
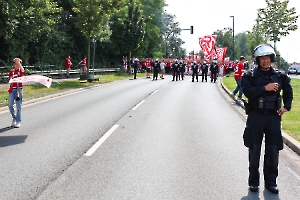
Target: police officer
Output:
[(156, 67), (175, 68), (262, 87), (195, 68), (213, 71), (204, 69), (135, 67), (181, 70)]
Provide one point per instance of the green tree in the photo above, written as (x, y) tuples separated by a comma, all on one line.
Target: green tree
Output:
[(93, 19), (24, 22), (255, 38), (276, 20), (133, 32), (152, 41), (241, 44), (170, 33), (224, 39)]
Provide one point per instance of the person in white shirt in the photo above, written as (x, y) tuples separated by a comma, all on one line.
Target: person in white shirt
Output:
[(162, 69)]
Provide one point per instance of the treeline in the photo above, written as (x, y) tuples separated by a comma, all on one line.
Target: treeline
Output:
[(44, 32)]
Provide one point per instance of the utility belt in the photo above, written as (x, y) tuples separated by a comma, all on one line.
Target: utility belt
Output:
[(266, 105), (265, 112)]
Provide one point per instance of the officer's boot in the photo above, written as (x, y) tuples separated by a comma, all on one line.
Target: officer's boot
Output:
[(271, 167)]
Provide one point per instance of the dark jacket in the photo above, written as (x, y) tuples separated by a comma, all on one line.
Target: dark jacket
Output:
[(194, 67), (253, 84), (214, 67), (156, 66), (136, 65), (175, 67), (182, 67), (204, 67)]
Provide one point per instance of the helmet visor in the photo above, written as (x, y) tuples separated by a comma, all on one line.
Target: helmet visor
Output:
[(263, 50)]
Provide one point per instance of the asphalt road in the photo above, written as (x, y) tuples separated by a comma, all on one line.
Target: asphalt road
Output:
[(135, 139)]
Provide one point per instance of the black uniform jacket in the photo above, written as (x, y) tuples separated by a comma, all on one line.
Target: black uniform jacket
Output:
[(214, 68), (135, 65), (156, 66), (254, 83), (204, 67), (175, 67), (195, 67)]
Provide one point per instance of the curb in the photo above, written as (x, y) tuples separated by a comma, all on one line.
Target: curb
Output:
[(287, 139)]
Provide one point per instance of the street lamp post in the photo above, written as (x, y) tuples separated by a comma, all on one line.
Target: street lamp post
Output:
[(94, 47), (232, 37)]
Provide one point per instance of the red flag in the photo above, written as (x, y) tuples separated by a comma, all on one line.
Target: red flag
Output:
[(220, 53), (227, 59), (207, 44)]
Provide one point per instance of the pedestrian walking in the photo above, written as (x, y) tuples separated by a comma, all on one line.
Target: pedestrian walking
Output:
[(162, 69), (15, 93), (238, 72), (263, 89), (83, 69), (68, 66)]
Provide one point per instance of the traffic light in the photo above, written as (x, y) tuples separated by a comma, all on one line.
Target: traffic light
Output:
[(192, 29)]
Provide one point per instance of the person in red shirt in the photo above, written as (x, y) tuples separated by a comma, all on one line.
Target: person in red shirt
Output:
[(68, 66), (148, 68), (15, 93), (238, 72), (83, 69)]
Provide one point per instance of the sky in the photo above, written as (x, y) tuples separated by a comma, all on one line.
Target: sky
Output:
[(208, 16)]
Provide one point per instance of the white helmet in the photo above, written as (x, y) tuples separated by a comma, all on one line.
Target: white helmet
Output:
[(136, 59), (264, 50)]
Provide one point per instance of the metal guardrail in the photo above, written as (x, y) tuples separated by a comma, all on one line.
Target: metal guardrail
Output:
[(58, 72), (4, 71)]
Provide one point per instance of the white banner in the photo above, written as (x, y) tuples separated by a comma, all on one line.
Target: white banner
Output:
[(46, 81)]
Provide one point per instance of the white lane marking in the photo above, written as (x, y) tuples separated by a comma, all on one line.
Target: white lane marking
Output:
[(135, 107), (102, 139), (165, 85), (154, 92)]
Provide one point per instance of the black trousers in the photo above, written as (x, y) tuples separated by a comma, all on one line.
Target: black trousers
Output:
[(258, 126), (181, 74), (134, 72), (213, 77), (155, 74), (204, 75), (193, 75), (175, 74)]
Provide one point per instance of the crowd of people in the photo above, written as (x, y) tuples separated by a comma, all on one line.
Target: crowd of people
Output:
[(179, 68)]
